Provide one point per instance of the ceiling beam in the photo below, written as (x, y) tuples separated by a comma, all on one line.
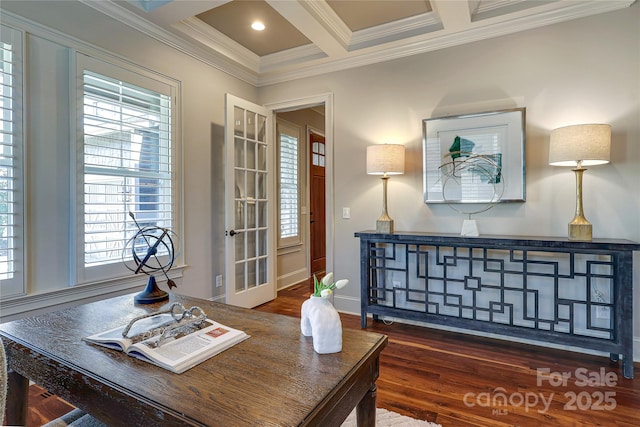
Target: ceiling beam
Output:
[(455, 15), (307, 24)]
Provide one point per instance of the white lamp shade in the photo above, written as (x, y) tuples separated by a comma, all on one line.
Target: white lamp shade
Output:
[(589, 144), (385, 159)]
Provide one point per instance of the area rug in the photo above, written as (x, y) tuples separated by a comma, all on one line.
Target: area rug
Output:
[(3, 382), (386, 418), (75, 418)]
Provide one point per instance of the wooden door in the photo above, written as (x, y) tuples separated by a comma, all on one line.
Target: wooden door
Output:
[(317, 216)]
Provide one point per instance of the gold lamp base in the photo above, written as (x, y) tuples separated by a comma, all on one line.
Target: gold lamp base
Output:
[(580, 230), (579, 227), (384, 225)]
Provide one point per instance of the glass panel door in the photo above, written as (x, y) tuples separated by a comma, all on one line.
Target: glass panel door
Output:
[(250, 255)]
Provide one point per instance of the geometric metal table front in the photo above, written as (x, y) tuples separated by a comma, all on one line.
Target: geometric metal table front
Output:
[(564, 292)]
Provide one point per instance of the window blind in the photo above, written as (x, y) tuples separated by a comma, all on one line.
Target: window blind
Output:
[(127, 164), (289, 187), (11, 193)]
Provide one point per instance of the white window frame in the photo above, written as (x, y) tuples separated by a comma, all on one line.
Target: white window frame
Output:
[(15, 285), (288, 128), (136, 76)]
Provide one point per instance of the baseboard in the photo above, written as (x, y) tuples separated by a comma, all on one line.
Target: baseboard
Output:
[(347, 304), (351, 305), (292, 278)]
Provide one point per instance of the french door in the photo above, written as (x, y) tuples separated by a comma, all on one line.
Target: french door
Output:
[(249, 203)]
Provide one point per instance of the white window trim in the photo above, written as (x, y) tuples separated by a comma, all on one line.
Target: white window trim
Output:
[(293, 129), (16, 286), (30, 302), (139, 77)]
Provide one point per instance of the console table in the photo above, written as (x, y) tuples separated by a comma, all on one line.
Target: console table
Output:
[(545, 289)]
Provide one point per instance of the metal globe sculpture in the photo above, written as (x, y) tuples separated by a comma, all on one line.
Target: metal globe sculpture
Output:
[(150, 251)]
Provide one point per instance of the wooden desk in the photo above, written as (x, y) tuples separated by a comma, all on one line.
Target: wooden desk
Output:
[(272, 379)]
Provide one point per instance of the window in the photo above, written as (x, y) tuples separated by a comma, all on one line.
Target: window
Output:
[(127, 164), (11, 189), (317, 154), (289, 183)]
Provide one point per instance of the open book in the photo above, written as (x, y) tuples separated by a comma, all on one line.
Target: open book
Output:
[(175, 353)]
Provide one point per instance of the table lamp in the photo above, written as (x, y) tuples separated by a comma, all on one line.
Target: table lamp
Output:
[(579, 146), (385, 160)]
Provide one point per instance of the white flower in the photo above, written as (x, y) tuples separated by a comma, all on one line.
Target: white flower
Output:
[(342, 283), (325, 287), (328, 279)]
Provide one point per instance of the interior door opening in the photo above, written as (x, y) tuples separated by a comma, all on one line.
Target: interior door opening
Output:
[(313, 255)]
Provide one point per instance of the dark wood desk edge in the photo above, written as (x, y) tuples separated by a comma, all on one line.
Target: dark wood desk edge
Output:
[(360, 387), (19, 361), (82, 388)]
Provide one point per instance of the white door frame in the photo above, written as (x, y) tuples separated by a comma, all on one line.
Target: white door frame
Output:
[(306, 102)]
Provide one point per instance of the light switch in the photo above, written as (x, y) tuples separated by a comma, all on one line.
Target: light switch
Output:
[(346, 213)]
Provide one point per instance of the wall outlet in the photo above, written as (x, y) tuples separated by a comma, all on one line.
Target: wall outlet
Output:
[(219, 281), (400, 297), (602, 312)]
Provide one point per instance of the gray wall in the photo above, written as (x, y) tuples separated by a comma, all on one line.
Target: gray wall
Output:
[(582, 71), (203, 91)]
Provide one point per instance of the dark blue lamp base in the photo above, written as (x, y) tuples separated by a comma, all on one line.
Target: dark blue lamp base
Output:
[(151, 293)]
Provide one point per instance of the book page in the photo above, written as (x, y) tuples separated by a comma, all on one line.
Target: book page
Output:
[(113, 337), (179, 354)]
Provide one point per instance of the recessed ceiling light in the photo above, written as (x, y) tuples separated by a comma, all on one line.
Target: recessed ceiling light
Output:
[(258, 26)]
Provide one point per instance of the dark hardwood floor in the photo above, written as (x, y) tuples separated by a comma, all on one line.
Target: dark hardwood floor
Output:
[(463, 380), (44, 406)]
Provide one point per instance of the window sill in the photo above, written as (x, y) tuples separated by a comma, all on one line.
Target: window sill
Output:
[(30, 305)]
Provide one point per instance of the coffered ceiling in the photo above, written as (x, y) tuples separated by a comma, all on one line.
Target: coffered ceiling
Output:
[(310, 37)]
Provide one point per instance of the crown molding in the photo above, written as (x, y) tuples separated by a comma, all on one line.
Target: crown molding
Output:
[(484, 6), (391, 30), (214, 39), (308, 61), (330, 20), (552, 13), (213, 59), (300, 16), (296, 55), (436, 41)]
